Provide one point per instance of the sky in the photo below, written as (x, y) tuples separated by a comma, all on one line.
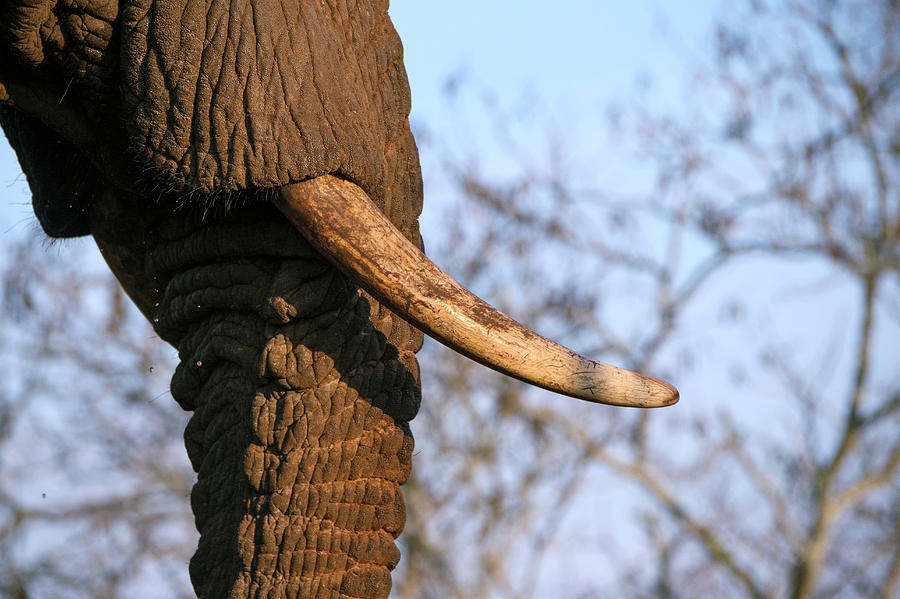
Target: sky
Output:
[(579, 53)]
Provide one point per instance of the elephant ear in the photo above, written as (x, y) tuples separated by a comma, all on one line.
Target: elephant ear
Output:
[(236, 94)]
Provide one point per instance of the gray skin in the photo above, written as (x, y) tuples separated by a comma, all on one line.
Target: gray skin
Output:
[(162, 128)]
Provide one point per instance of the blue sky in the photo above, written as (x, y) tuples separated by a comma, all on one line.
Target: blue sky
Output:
[(578, 52)]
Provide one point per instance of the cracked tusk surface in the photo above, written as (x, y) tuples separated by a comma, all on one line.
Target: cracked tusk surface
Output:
[(340, 220)]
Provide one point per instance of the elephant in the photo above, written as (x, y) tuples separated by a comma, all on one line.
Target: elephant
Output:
[(248, 172)]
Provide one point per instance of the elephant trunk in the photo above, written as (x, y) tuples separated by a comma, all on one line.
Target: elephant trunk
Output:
[(301, 389)]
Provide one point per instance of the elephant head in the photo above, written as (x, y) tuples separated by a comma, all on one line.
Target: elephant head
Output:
[(248, 172)]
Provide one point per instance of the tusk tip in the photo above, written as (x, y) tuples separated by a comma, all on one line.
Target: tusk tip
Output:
[(619, 387), (648, 392), (660, 393)]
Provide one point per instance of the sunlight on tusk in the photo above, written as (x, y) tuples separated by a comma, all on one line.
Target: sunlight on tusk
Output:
[(340, 220)]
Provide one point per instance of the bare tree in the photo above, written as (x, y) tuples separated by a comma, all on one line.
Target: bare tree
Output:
[(774, 200), (95, 483)]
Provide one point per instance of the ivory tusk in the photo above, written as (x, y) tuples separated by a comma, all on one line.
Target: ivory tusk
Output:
[(340, 220)]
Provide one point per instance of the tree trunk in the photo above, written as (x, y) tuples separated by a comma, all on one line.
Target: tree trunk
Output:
[(302, 389)]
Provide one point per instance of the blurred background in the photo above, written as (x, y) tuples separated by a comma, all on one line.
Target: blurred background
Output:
[(708, 192)]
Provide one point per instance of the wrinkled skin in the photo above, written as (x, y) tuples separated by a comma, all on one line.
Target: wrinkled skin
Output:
[(161, 128)]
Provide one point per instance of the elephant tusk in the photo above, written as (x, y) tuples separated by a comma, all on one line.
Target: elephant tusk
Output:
[(338, 218)]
